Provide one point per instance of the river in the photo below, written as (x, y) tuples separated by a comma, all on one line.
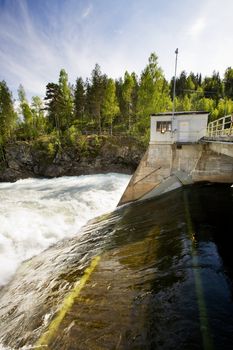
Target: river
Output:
[(35, 213), (150, 275)]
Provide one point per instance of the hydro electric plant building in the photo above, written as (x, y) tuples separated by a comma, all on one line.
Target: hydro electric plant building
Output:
[(179, 154), (181, 127)]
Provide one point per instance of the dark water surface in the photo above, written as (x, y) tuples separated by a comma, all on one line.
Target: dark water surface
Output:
[(163, 280)]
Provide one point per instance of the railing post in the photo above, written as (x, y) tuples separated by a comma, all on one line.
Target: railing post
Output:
[(223, 125), (217, 127), (212, 129), (208, 130)]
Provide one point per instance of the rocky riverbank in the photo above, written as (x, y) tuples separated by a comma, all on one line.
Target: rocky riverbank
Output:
[(91, 155)]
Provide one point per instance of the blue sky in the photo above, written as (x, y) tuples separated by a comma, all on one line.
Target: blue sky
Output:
[(39, 37)]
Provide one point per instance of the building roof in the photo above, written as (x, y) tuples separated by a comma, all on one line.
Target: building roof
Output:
[(178, 113)]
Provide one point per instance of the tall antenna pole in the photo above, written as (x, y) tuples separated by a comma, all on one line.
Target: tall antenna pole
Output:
[(174, 87)]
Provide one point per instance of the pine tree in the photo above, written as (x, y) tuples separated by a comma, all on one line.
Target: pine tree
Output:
[(96, 95), (110, 105), (127, 96), (228, 83), (59, 103), (213, 87), (8, 117), (53, 101), (79, 101)]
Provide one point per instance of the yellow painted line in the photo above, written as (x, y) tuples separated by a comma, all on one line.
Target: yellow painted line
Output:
[(203, 316), (67, 304)]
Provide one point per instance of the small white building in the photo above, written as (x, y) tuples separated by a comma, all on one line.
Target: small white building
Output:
[(180, 127)]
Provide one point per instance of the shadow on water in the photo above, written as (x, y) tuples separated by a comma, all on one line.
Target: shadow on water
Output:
[(163, 280)]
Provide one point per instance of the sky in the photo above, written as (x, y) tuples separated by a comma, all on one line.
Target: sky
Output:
[(40, 37)]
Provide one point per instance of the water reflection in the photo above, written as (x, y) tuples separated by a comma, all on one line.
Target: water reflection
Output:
[(163, 280)]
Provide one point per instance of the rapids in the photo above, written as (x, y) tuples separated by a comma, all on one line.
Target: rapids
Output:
[(36, 213)]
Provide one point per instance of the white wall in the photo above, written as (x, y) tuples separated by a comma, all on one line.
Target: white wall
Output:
[(191, 128), (187, 128)]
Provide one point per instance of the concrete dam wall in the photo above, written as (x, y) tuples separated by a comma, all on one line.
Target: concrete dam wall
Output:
[(165, 167)]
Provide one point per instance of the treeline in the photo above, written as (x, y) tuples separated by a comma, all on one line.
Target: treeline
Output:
[(101, 105)]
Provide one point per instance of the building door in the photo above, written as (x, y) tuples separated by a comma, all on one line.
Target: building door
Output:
[(183, 131)]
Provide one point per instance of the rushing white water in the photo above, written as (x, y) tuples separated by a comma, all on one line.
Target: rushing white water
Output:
[(35, 213)]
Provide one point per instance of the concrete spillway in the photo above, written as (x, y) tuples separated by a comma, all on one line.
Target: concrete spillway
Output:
[(165, 167)]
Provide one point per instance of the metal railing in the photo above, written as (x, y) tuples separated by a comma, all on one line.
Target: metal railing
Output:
[(221, 127)]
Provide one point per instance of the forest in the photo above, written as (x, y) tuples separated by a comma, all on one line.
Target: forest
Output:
[(101, 105)]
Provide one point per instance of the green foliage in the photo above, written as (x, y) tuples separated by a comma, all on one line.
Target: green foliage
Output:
[(48, 146), (53, 102), (228, 82), (51, 149), (39, 121), (153, 92), (66, 110), (128, 90), (225, 107), (79, 102), (71, 136), (28, 128), (8, 116), (96, 93), (83, 145), (183, 104), (59, 103), (213, 87), (110, 107), (101, 106)]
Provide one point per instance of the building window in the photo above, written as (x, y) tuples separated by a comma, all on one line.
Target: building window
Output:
[(164, 126)]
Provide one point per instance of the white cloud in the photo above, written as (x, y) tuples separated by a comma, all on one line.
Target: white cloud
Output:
[(34, 56), (34, 47), (198, 27), (87, 11)]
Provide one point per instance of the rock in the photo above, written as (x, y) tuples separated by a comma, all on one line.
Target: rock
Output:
[(12, 164), (100, 155)]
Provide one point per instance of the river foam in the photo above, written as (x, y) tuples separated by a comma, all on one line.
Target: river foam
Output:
[(35, 213)]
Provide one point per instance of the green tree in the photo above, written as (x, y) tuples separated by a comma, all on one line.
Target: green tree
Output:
[(8, 117), (66, 111), (127, 96), (228, 83), (185, 85), (96, 95), (110, 106), (37, 108), (207, 104), (120, 121), (79, 101), (25, 109), (183, 104), (213, 87), (196, 80), (53, 101), (59, 103), (29, 125), (190, 86), (224, 107), (153, 92), (181, 85), (195, 98)]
